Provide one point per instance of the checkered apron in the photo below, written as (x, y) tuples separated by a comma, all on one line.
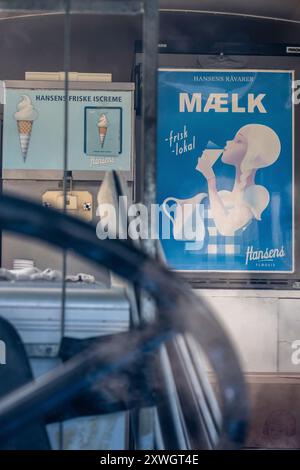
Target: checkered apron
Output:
[(217, 244)]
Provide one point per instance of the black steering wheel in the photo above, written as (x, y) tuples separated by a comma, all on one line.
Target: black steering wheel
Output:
[(179, 311)]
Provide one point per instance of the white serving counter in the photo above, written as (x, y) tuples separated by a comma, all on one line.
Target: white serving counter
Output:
[(91, 310)]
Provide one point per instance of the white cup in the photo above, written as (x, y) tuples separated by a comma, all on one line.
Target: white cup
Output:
[(209, 157)]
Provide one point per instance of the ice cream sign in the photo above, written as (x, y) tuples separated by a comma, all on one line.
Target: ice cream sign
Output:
[(100, 130)]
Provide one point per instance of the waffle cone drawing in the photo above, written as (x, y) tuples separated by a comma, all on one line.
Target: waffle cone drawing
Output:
[(25, 116), (102, 135), (25, 129)]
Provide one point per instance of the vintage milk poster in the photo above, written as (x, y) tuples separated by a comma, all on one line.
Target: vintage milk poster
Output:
[(226, 169)]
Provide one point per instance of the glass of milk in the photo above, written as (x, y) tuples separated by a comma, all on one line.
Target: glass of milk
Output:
[(210, 155)]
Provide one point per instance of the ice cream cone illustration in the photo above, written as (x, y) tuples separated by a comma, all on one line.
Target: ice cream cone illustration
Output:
[(102, 128), (102, 135), (25, 117)]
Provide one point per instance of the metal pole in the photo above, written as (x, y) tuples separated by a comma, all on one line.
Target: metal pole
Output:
[(67, 59), (149, 132), (149, 123), (146, 418)]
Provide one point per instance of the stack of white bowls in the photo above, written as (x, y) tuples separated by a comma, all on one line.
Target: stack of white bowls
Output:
[(23, 264)]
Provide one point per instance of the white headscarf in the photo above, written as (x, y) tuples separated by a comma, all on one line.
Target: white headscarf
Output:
[(263, 150), (264, 147)]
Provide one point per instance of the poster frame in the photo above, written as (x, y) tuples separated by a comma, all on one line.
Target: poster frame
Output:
[(179, 54)]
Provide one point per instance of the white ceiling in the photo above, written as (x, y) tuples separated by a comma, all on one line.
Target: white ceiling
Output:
[(283, 9), (279, 9)]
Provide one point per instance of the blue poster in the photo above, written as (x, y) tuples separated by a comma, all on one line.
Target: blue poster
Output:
[(225, 175), (100, 130)]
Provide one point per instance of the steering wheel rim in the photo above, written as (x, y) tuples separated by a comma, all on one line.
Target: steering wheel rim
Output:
[(172, 298)]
